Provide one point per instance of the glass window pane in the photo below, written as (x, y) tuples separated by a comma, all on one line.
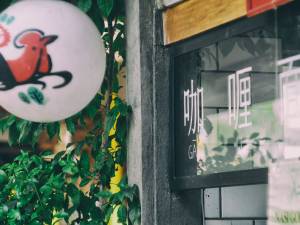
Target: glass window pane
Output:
[(237, 100)]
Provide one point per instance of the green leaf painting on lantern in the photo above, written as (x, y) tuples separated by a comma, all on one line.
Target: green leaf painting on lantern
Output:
[(33, 95), (24, 97), (4, 18), (36, 95)]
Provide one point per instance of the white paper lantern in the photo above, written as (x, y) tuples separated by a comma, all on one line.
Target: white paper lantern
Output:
[(52, 60)]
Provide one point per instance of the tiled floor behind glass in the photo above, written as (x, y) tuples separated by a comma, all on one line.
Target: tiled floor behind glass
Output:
[(239, 205)]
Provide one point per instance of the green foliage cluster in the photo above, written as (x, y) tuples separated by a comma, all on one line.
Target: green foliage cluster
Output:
[(46, 188), (227, 155), (286, 217)]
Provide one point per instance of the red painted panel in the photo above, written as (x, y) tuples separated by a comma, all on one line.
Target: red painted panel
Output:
[(281, 2), (255, 7)]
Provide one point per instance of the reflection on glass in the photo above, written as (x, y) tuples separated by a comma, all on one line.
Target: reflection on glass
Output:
[(244, 99)]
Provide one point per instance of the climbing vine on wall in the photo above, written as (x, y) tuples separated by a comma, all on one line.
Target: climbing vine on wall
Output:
[(77, 185)]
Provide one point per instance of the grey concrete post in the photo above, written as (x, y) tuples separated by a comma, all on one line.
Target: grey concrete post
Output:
[(148, 88)]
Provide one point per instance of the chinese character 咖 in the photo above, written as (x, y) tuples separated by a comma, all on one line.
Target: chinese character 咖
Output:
[(193, 108), (239, 98)]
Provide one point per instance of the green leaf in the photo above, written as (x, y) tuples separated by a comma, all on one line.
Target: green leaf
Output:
[(122, 214), (266, 139), (231, 141), (36, 134), (249, 45), (218, 149), (58, 157), (96, 17), (235, 134), (108, 211), (254, 135), (24, 97), (122, 107), (105, 7), (53, 129), (2, 213), (13, 1), (262, 160), (84, 182), (115, 85), (6, 122), (22, 124), (3, 178), (104, 194), (92, 110), (13, 135), (129, 193), (110, 121), (70, 168), (24, 128), (36, 95), (227, 48), (84, 5), (46, 190), (61, 215), (36, 222), (119, 8), (70, 125), (84, 161), (134, 214), (221, 138), (104, 87), (120, 156), (14, 214), (78, 148), (74, 193), (4, 4)]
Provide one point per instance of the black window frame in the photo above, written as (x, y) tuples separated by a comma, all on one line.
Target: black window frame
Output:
[(242, 177)]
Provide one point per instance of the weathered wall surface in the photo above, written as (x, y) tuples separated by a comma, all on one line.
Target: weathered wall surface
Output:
[(148, 143), (139, 96)]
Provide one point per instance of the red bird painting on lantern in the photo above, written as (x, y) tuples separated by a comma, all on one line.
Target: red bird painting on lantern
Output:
[(49, 70), (33, 64)]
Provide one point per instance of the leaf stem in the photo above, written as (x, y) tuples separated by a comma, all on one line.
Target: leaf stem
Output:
[(34, 187)]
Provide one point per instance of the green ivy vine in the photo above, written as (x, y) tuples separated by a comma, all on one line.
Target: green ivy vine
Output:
[(46, 188)]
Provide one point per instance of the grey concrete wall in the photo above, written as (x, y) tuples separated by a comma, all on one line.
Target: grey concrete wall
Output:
[(133, 93), (149, 136), (139, 96)]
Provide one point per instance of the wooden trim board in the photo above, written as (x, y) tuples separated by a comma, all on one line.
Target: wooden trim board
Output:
[(195, 16)]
